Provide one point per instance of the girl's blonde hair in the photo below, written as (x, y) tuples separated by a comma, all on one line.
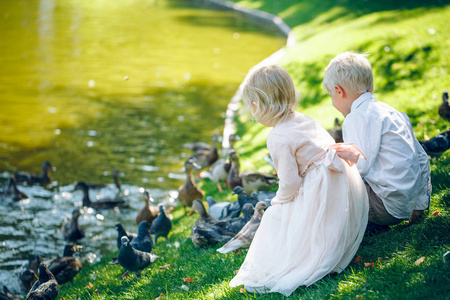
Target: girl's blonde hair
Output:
[(274, 93), (349, 70)]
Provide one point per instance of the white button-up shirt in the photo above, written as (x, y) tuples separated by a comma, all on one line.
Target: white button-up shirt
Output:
[(397, 168)]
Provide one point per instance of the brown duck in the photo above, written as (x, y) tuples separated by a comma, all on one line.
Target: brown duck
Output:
[(336, 131), (147, 213), (249, 181), (205, 158), (189, 191)]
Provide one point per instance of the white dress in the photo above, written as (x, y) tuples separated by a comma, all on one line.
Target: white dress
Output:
[(318, 216)]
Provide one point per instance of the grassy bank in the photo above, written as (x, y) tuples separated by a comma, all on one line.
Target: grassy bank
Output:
[(409, 47)]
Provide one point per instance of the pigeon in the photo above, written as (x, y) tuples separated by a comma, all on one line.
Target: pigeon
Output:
[(161, 226), (243, 196), (67, 267), (46, 287), (71, 230), (222, 210), (7, 295), (134, 260), (122, 232), (437, 145), (29, 275), (234, 225), (444, 109), (143, 240), (245, 237), (207, 230), (31, 179), (264, 196)]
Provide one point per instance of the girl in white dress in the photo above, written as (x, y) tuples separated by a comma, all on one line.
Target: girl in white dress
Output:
[(319, 214)]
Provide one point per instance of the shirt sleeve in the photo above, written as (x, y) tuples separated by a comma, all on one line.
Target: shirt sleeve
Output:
[(283, 155), (366, 135)]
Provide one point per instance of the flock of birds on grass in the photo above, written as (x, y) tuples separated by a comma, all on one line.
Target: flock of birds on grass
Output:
[(232, 224)]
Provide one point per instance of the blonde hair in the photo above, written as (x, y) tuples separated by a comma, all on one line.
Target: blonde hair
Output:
[(349, 70), (274, 93)]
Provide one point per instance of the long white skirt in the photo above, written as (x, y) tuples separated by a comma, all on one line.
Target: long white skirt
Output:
[(301, 241)]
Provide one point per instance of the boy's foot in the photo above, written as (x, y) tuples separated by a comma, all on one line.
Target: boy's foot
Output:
[(417, 216), (373, 229)]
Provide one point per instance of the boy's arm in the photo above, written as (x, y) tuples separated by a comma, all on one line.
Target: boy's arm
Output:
[(365, 134)]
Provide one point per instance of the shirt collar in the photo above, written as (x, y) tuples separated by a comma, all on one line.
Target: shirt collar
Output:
[(360, 100)]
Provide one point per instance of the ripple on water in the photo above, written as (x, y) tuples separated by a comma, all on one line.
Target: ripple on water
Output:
[(33, 227)]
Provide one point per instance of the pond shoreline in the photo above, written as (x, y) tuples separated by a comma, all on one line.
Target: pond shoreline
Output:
[(259, 16)]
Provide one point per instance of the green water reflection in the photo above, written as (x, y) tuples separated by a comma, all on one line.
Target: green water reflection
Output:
[(97, 85)]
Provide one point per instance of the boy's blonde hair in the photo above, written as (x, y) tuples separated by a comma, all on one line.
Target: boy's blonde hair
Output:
[(349, 70), (274, 93)]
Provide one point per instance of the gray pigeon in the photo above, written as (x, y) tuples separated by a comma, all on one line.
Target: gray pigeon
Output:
[(245, 237), (243, 197), (143, 242), (264, 196), (222, 210), (207, 230), (122, 232), (134, 260), (46, 288), (235, 225), (162, 225)]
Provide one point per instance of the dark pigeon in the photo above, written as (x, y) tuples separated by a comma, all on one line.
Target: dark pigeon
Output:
[(134, 260), (143, 240), (437, 145), (161, 226)]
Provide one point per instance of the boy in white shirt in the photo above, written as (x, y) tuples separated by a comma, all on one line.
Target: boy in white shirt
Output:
[(396, 171)]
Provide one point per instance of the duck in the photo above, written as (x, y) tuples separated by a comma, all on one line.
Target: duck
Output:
[(7, 295), (444, 109), (29, 275), (147, 213), (222, 210), (245, 236), (116, 174), (437, 145), (161, 226), (43, 179), (206, 230), (46, 287), (100, 204), (72, 230), (249, 181), (218, 172), (189, 191), (143, 241), (205, 158), (336, 131), (133, 260), (65, 268), (12, 191)]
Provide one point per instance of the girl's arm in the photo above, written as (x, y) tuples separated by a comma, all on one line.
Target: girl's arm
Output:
[(283, 155)]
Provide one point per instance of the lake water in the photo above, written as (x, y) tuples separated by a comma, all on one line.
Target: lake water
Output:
[(94, 86)]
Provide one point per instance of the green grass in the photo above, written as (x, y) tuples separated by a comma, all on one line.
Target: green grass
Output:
[(409, 47)]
